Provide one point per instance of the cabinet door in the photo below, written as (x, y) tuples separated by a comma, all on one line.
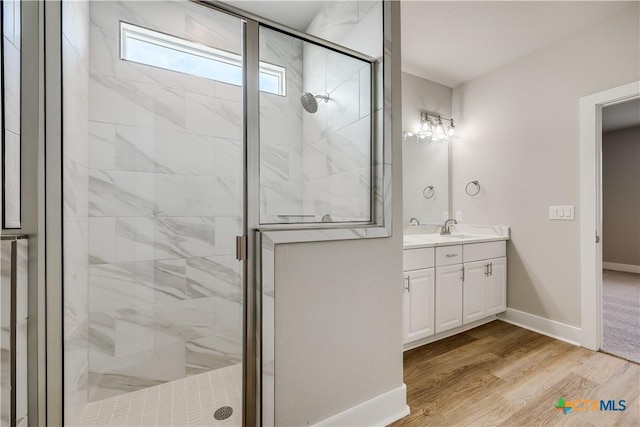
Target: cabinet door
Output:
[(418, 304), (474, 303), (448, 297), (497, 286)]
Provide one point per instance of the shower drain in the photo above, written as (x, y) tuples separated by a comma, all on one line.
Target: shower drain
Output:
[(223, 413)]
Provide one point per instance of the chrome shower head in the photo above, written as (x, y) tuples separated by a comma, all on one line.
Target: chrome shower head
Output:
[(309, 102)]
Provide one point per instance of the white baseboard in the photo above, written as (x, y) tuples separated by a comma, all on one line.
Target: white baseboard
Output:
[(542, 325), (627, 268), (447, 334), (382, 410)]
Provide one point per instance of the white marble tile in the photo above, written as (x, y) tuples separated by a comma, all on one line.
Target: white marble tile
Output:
[(130, 103), (102, 240), (344, 104), (11, 75), (213, 196), (134, 371), (122, 285), (281, 119), (214, 29), (334, 20), (340, 68), (366, 36), (136, 239), (102, 145), (365, 92), (12, 180), (316, 162), (206, 354), (121, 193), (75, 27), (169, 195), (75, 189), (185, 237), (214, 276), (350, 147), (364, 6), (75, 106), (228, 158), (206, 115)]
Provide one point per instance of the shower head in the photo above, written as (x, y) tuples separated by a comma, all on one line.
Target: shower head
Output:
[(309, 102)]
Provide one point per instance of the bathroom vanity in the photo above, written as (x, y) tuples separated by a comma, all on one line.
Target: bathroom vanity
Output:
[(452, 283)]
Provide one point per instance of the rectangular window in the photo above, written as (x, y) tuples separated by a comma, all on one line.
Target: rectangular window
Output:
[(160, 50)]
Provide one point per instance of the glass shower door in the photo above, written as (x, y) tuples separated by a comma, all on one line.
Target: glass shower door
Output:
[(153, 201)]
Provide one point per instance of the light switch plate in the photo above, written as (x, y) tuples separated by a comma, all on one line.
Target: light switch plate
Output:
[(459, 216), (562, 212)]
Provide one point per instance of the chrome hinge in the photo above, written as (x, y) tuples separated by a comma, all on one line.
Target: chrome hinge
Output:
[(462, 271), (241, 248), (597, 238)]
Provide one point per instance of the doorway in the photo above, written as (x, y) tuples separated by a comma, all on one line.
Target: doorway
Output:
[(591, 205), (621, 229)]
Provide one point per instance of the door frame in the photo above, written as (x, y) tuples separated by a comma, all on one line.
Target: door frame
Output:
[(591, 207)]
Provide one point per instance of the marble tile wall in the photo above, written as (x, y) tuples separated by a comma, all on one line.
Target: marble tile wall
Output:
[(281, 178), (75, 72), (11, 35), (164, 205), (337, 147)]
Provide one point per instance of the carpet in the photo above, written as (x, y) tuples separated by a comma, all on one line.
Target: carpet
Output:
[(621, 314)]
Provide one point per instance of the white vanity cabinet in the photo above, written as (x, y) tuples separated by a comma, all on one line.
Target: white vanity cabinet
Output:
[(449, 278), (451, 287), (418, 287), (485, 280)]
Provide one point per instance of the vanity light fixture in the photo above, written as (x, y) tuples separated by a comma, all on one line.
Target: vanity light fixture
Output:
[(432, 128)]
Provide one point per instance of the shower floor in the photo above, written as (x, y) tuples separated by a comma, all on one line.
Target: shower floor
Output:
[(190, 401)]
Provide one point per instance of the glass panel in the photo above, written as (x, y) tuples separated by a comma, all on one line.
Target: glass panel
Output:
[(153, 200), (315, 143)]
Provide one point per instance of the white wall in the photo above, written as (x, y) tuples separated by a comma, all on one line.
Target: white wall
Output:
[(621, 196), (424, 163), (521, 141), (339, 308)]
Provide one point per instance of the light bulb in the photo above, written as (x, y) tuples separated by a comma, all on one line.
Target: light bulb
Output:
[(452, 129), (439, 130)]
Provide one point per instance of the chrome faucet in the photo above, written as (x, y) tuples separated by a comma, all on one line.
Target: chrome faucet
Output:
[(446, 227), (414, 221)]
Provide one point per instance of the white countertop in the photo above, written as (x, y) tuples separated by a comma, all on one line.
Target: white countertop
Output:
[(460, 235)]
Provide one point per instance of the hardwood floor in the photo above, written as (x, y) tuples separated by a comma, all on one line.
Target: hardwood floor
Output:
[(502, 375)]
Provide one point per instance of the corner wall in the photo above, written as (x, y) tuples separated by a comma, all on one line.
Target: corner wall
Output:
[(520, 139), (339, 309)]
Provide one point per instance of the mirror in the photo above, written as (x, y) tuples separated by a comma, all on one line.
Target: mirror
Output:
[(426, 165)]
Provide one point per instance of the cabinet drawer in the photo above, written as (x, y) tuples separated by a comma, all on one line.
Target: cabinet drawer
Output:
[(449, 255), (415, 259), (480, 251)]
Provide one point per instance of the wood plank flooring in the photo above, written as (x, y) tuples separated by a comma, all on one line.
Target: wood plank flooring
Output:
[(502, 375)]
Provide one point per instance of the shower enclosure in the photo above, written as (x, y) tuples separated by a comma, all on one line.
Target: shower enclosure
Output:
[(184, 129)]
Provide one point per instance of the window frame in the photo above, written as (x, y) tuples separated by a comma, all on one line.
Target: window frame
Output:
[(130, 31)]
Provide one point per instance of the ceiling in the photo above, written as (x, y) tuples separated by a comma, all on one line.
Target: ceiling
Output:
[(452, 42), (295, 14), (622, 115)]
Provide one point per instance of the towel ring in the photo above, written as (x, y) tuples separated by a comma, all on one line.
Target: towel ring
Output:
[(428, 192), (466, 188)]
